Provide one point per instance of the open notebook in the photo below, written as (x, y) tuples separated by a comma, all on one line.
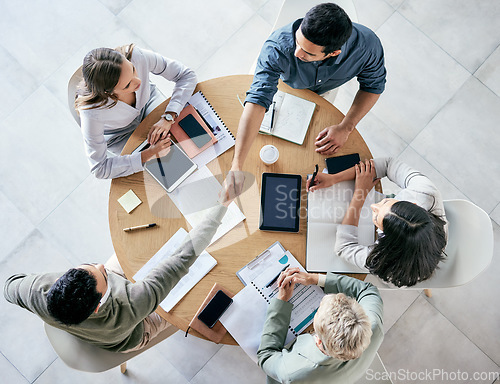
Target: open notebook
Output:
[(292, 116), (326, 209)]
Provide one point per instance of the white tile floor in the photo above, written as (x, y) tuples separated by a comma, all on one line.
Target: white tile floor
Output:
[(440, 113)]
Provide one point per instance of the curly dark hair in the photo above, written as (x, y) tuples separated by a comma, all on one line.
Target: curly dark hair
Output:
[(73, 297), (412, 246), (328, 26)]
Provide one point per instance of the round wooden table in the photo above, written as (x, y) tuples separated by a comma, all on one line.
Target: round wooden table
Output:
[(245, 241)]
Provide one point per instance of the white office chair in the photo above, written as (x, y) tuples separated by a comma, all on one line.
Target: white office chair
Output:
[(72, 84), (469, 250), (82, 356), (376, 374), (292, 10)]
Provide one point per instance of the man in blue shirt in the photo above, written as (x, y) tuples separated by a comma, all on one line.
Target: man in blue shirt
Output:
[(320, 52)]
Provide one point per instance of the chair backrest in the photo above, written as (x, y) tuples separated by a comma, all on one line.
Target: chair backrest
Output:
[(292, 10), (376, 374), (72, 84), (82, 356), (470, 246)]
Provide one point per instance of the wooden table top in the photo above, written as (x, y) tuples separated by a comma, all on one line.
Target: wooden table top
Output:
[(245, 241)]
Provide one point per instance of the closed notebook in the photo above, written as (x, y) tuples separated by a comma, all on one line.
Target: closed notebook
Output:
[(217, 332), (187, 144)]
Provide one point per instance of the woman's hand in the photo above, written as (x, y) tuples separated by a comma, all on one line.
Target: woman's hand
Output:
[(366, 178), (298, 277), (159, 149), (286, 288), (322, 180), (159, 130)]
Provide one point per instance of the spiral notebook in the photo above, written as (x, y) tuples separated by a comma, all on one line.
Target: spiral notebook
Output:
[(222, 134), (245, 318)]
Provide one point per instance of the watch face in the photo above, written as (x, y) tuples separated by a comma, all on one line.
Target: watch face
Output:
[(168, 117)]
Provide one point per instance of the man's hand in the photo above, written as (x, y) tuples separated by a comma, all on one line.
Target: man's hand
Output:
[(160, 149), (232, 186), (332, 138), (159, 130), (366, 178)]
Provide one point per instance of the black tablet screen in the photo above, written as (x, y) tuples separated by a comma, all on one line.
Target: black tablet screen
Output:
[(280, 202)]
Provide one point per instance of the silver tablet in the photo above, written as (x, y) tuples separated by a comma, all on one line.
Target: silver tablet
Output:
[(170, 170)]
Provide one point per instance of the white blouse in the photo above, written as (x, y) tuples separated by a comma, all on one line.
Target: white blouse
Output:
[(417, 188), (95, 121)]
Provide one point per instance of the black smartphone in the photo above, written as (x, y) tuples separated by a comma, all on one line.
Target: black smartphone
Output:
[(214, 309), (341, 163), (194, 130)]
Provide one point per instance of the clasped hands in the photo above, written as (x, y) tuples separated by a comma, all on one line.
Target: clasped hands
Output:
[(291, 276), (159, 140)]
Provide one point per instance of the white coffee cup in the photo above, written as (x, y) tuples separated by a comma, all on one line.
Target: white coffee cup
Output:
[(269, 154)]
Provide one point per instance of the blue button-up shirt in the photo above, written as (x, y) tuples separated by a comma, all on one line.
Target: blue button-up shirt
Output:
[(362, 56)]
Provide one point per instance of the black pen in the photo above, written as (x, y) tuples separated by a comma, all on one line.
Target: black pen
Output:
[(272, 116), (278, 275), (161, 166), (315, 173)]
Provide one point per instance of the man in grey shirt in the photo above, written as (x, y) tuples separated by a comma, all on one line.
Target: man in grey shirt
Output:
[(102, 307)]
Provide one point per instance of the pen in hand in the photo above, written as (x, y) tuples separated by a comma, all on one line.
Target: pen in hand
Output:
[(315, 173), (276, 277)]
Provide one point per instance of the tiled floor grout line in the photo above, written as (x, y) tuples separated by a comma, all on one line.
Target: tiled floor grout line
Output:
[(439, 46), (230, 37), (12, 364), (41, 373), (400, 316), (61, 202), (196, 374), (458, 329)]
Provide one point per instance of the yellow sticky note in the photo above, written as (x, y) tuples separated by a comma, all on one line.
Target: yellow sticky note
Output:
[(129, 201)]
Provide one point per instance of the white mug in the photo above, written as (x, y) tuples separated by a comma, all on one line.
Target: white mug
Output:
[(269, 154)]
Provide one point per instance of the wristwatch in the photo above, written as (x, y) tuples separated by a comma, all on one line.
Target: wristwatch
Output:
[(168, 116)]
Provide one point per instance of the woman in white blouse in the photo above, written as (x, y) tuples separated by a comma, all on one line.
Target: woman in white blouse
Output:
[(115, 95), (412, 227)]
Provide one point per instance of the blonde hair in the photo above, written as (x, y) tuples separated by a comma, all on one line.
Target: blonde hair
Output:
[(101, 71), (342, 326)]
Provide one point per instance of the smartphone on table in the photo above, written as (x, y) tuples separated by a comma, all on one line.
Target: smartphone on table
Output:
[(214, 309), (195, 131)]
